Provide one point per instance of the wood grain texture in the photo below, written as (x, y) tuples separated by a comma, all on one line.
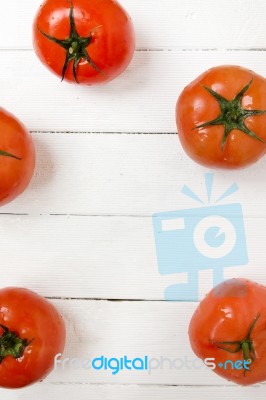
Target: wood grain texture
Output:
[(101, 174), (136, 329), (132, 392), (163, 24), (134, 175), (101, 257), (142, 99)]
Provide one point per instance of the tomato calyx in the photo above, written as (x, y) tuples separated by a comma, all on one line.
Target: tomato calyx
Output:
[(11, 344), (245, 345), (75, 46), (232, 115), (6, 154)]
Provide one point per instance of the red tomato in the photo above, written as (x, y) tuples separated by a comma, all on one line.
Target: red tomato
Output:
[(84, 41), (221, 117), (229, 325), (32, 333), (17, 157)]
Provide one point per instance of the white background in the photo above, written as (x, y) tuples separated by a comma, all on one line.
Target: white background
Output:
[(107, 159)]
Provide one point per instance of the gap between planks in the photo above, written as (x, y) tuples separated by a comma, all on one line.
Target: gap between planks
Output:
[(166, 49)]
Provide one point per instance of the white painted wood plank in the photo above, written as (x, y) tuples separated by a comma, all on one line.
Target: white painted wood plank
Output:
[(130, 176), (141, 100), (135, 329), (102, 257), (102, 174), (132, 392), (157, 330), (162, 24)]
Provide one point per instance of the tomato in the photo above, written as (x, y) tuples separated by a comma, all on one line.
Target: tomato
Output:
[(17, 157), (229, 325), (221, 117), (84, 41), (32, 333)]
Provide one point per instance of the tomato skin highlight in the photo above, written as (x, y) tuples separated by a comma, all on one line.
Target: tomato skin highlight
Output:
[(36, 319), (15, 174), (196, 106), (224, 315), (111, 48)]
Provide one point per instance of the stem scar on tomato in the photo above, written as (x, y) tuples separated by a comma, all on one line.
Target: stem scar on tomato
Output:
[(75, 47), (232, 115), (245, 345), (11, 344), (6, 154)]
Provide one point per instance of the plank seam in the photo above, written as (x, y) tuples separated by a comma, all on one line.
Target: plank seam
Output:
[(100, 133), (166, 49), (117, 300)]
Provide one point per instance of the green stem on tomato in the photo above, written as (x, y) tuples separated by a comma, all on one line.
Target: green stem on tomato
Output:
[(6, 154), (232, 115), (11, 344), (245, 345), (75, 47)]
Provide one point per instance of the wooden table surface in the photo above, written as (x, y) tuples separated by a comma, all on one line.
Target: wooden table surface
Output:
[(108, 158)]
